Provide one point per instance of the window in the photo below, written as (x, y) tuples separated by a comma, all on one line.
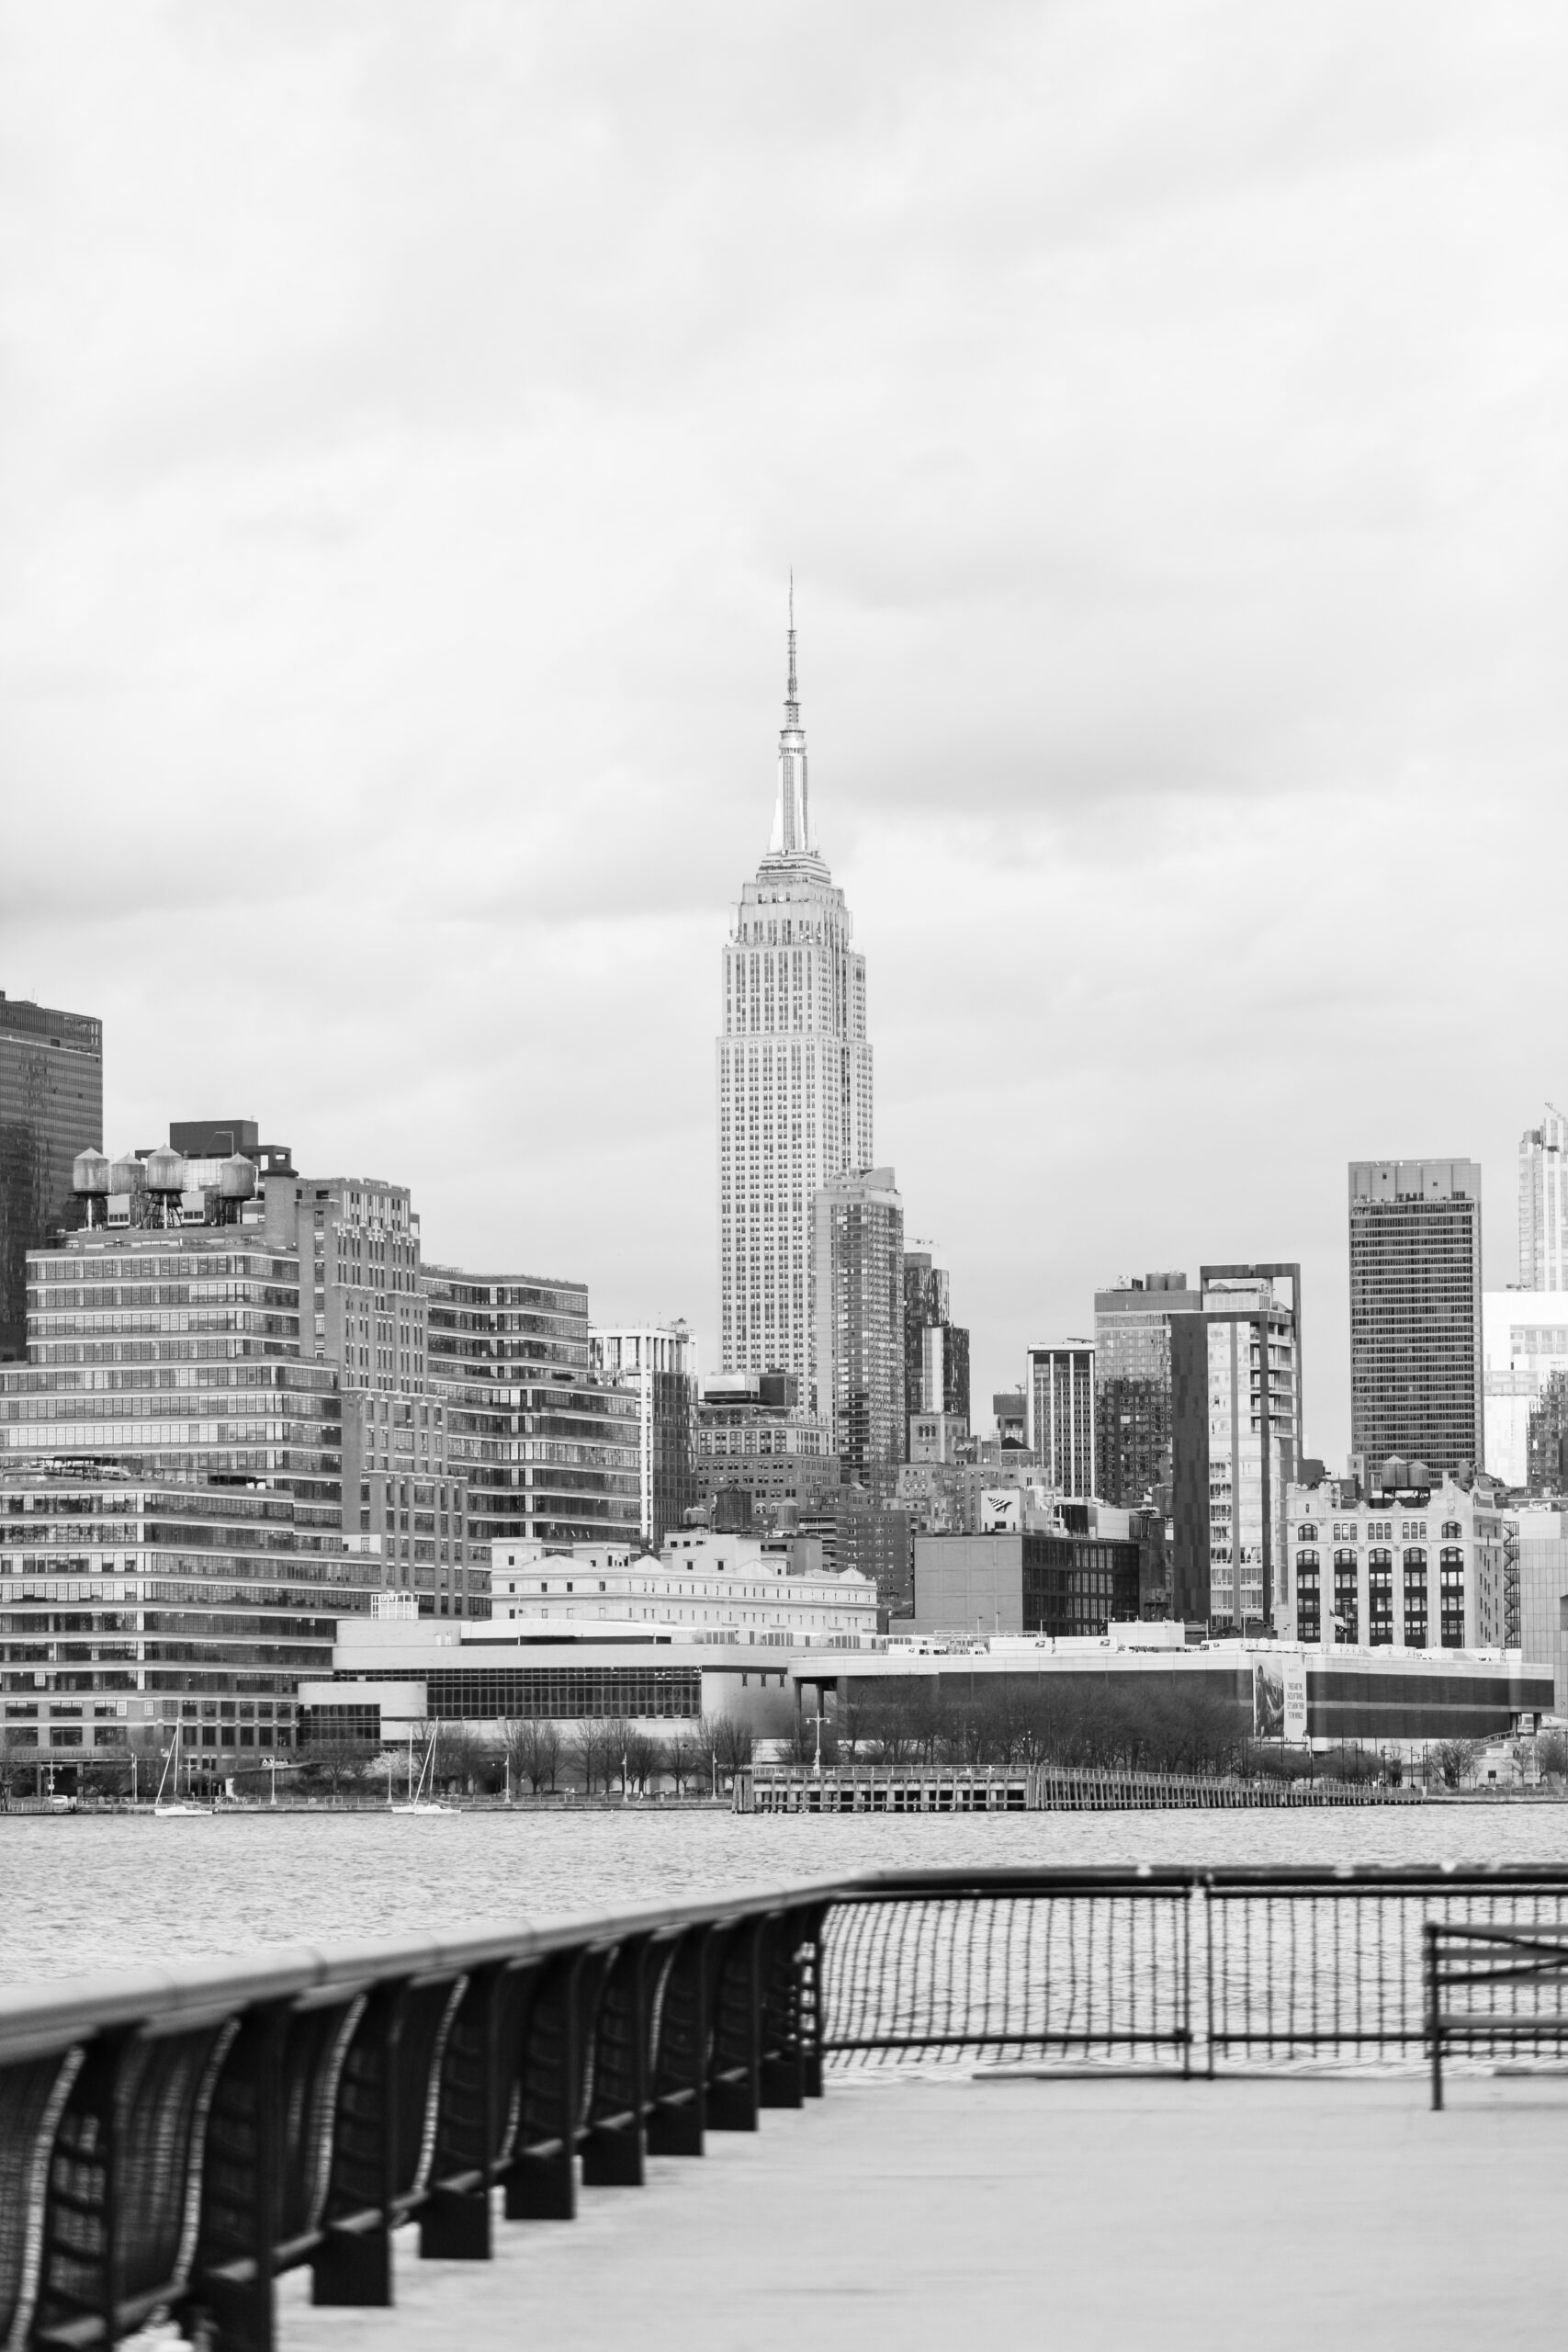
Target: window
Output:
[(1379, 1597), (1450, 1599), (1415, 1600)]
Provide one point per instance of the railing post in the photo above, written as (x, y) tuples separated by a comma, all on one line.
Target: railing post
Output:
[(455, 2222), (354, 2263), (613, 2146), (241, 2188), (81, 2258), (781, 2079), (541, 2183), (1434, 2012), (677, 2117), (735, 2083), (814, 1932)]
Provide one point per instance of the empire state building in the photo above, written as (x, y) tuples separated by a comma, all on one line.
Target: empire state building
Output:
[(794, 1077)]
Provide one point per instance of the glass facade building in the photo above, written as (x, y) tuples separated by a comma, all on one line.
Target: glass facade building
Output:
[(857, 1319), (1543, 1204), (936, 1350), (1235, 1444), (51, 1107), (543, 1448), (1132, 1369), (130, 1604), (176, 1354)]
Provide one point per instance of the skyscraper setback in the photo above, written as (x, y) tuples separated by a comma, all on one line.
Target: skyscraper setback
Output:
[(794, 1077)]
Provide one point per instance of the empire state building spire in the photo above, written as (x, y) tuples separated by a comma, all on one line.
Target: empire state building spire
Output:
[(791, 836), (794, 1079)]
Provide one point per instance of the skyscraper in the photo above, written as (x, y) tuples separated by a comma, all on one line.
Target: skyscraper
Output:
[(1543, 1204), (794, 1078), (1235, 1443), (659, 1363), (1061, 1416), (936, 1349), (51, 1107), (1132, 1382), (857, 1311), (1415, 1342)]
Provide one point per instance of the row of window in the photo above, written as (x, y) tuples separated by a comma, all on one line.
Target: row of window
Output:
[(1380, 1531)]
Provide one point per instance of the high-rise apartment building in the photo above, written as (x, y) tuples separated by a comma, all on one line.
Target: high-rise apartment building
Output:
[(659, 1363), (755, 1441), (1543, 1204), (794, 1077), (177, 1354), (936, 1351), (1060, 1392), (133, 1603), (51, 1107), (367, 1312), (1132, 1382), (856, 1303), (1235, 1443), (545, 1449), (1416, 1333)]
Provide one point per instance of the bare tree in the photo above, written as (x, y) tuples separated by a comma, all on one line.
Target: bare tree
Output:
[(593, 1753), (705, 1740), (532, 1747), (734, 1745), (462, 1758), (682, 1757), (641, 1758), (340, 1764), (1454, 1759), (1551, 1755)]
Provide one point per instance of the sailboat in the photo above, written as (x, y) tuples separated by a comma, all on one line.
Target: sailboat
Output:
[(175, 1807), (417, 1801)]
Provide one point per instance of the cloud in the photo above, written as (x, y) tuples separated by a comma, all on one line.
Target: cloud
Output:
[(406, 426)]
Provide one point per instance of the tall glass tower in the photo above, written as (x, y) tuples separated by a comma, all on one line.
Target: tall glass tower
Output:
[(794, 1077), (1543, 1204)]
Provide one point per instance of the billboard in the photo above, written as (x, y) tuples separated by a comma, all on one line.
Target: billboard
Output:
[(1001, 1510), (1280, 1697), (1295, 1674)]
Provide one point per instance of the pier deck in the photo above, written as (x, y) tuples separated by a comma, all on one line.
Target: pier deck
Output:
[(1291, 2212)]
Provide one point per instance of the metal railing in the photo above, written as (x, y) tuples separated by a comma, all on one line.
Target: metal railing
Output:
[(1194, 1970), (174, 2140)]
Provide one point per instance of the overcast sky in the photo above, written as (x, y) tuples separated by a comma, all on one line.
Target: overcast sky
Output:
[(408, 418)]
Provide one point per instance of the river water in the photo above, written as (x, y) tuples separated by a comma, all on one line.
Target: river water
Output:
[(81, 1892)]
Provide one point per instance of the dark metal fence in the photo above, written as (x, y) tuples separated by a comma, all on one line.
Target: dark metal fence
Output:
[(176, 2140), (1192, 1970), (173, 2140)]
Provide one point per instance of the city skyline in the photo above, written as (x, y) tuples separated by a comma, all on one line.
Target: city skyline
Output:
[(385, 723)]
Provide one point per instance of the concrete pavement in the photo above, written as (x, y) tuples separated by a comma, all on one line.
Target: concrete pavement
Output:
[(1276, 2213)]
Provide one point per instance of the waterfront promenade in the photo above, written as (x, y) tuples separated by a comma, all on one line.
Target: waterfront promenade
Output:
[(1292, 2212)]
